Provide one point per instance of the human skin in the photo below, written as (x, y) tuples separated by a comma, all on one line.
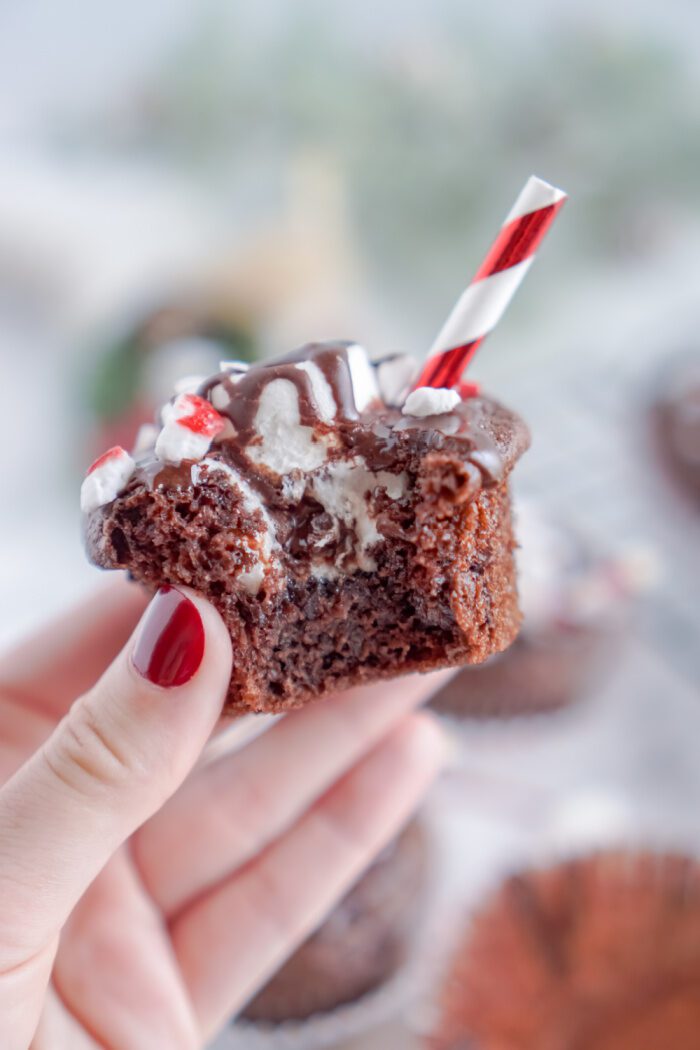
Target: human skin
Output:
[(146, 893)]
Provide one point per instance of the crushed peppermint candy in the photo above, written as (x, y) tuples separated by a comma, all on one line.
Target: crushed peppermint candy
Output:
[(468, 388), (190, 424), (430, 401), (106, 478), (197, 414)]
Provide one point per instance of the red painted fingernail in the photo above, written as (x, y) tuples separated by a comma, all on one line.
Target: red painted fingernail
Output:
[(170, 647)]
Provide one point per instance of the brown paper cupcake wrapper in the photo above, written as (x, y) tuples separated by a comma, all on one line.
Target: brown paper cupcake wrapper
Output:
[(638, 853)]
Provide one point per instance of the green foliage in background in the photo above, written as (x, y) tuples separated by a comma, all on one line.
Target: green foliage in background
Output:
[(433, 133)]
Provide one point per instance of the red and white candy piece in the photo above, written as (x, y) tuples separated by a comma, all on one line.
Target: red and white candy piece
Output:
[(190, 426), (106, 478), (468, 388)]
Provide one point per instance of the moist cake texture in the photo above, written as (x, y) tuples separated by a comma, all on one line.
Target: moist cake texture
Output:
[(342, 538)]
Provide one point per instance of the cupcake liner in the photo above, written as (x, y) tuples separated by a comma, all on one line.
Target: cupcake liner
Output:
[(489, 725), (528, 793), (592, 826)]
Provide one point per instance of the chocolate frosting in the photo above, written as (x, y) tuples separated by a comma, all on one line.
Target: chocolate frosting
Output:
[(245, 389), (489, 436), (479, 431)]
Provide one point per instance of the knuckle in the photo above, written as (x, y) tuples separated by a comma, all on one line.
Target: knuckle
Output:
[(84, 755)]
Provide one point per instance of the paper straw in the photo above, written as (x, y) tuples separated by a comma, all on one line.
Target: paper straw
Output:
[(483, 303)]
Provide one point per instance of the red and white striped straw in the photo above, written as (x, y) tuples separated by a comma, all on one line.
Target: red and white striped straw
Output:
[(482, 304)]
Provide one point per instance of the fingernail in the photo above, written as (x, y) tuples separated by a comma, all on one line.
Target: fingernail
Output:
[(170, 645)]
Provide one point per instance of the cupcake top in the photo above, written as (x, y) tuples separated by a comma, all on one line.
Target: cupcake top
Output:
[(309, 440), (598, 953)]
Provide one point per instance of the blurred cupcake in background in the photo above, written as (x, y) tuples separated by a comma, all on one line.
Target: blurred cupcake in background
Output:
[(677, 416), (573, 601), (361, 943), (346, 977), (138, 369), (601, 952)]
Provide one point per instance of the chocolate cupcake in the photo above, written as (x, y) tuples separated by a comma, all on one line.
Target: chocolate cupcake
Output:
[(601, 953), (678, 423), (361, 944), (346, 532), (572, 599)]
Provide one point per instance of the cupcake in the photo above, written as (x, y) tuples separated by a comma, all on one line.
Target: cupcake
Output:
[(361, 944), (571, 598), (346, 530), (597, 953), (678, 423)]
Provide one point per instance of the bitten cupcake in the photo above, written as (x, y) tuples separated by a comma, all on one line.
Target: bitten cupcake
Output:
[(362, 943), (572, 598), (346, 530), (597, 953)]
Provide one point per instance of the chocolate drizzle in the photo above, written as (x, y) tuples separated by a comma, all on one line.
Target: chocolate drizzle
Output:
[(332, 361), (377, 433), (477, 431), (245, 390)]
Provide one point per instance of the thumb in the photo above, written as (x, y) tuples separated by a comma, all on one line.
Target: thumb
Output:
[(121, 750)]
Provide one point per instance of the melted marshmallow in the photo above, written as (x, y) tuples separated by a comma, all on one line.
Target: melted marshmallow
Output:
[(322, 393), (342, 490), (430, 401), (252, 578), (362, 375), (284, 444)]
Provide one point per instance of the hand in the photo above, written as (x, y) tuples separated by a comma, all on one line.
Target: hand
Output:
[(142, 900)]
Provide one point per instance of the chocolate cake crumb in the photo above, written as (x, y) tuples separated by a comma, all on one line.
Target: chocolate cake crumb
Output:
[(391, 553)]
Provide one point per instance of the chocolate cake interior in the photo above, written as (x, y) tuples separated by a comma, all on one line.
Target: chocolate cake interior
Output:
[(342, 541)]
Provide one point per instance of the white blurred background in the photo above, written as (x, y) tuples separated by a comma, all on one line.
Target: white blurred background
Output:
[(281, 172)]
